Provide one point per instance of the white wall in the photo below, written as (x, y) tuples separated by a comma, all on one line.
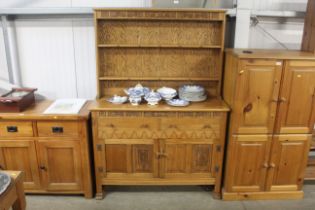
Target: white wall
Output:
[(3, 62), (57, 55), (274, 34)]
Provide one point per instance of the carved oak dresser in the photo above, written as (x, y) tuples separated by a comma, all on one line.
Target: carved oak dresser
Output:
[(159, 145)]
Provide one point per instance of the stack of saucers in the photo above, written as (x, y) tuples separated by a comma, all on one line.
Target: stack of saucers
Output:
[(194, 93)]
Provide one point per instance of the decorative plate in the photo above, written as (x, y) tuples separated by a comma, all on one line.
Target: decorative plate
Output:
[(5, 181), (191, 88), (117, 99), (177, 102)]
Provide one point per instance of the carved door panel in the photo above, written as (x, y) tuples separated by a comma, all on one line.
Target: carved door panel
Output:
[(131, 158), (288, 162), (20, 155), (297, 108), (247, 163), (257, 96), (190, 159)]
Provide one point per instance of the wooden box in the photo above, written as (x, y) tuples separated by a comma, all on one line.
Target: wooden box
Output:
[(17, 100)]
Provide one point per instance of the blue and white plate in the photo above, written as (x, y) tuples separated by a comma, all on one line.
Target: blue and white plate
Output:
[(192, 89), (177, 102), (5, 180), (117, 99)]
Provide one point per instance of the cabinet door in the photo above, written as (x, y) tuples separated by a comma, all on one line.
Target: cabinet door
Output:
[(297, 108), (21, 156), (130, 159), (256, 98), (247, 163), (191, 160), (288, 162), (60, 164)]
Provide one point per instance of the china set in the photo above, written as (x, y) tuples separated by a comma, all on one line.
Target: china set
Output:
[(187, 93)]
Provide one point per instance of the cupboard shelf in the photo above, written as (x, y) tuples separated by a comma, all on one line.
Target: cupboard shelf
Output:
[(109, 78), (159, 46)]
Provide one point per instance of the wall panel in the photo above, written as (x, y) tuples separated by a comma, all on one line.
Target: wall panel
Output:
[(3, 62), (46, 54)]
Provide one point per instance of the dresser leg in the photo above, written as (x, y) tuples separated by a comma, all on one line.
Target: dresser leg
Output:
[(100, 194)]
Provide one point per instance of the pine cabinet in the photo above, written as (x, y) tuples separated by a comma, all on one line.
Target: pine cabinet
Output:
[(271, 94), (52, 150)]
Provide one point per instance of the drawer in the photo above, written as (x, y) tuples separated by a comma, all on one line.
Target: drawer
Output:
[(128, 128), (58, 129), (191, 128), (16, 129)]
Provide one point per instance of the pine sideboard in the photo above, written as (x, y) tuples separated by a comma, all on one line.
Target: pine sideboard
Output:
[(52, 150), (271, 94), (159, 145)]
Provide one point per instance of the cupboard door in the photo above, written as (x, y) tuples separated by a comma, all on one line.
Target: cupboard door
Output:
[(60, 164), (130, 158), (297, 108), (288, 162), (256, 98), (247, 163), (190, 159), (20, 155)]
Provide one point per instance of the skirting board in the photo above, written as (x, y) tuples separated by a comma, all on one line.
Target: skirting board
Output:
[(281, 195)]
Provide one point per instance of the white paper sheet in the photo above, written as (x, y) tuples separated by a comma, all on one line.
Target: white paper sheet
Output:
[(65, 106)]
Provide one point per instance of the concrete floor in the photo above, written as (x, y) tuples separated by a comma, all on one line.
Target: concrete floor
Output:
[(164, 198)]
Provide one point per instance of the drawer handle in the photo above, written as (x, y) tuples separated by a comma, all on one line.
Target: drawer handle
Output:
[(12, 129), (110, 125), (206, 126), (172, 126), (57, 129), (43, 168), (144, 126)]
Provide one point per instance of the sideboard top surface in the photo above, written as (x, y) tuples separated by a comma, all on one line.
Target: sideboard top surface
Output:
[(271, 54), (211, 105), (35, 112)]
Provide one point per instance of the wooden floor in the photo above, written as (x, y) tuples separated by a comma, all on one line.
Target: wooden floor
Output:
[(165, 198)]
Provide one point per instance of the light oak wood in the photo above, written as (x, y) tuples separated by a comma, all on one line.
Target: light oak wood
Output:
[(14, 198), (16, 129), (158, 145), (21, 155), (60, 164), (271, 94), (55, 157), (58, 129)]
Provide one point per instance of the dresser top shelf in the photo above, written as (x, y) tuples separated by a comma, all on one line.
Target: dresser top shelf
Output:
[(35, 112), (211, 104)]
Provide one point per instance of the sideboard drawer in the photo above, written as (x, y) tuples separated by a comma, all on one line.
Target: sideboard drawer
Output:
[(128, 128), (191, 128), (58, 128), (16, 129)]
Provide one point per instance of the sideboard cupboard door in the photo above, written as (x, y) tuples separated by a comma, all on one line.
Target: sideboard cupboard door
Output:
[(247, 163), (288, 162), (20, 155), (257, 90), (130, 158), (187, 159), (297, 98), (60, 164)]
